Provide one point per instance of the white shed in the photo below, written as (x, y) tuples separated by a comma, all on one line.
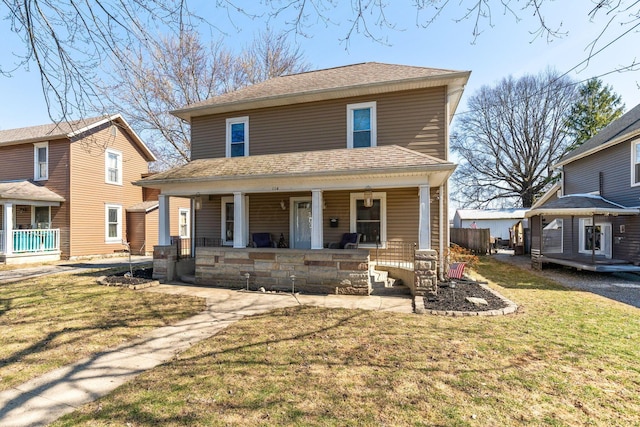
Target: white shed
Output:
[(497, 220)]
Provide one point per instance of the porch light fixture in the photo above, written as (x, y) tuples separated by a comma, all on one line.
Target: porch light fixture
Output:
[(283, 205), (198, 202), (368, 197)]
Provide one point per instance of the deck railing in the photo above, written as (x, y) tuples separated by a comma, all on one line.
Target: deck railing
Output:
[(32, 241), (395, 254)]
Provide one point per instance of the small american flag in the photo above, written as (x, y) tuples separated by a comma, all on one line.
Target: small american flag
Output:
[(456, 270)]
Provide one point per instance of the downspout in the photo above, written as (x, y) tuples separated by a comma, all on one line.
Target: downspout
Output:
[(442, 233)]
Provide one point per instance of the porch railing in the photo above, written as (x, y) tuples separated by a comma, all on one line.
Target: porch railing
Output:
[(1, 241), (395, 254), (183, 245), (38, 240)]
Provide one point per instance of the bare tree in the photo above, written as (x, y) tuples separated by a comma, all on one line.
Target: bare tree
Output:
[(509, 139), (183, 70)]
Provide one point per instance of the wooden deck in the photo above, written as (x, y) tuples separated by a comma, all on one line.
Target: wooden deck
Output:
[(587, 262)]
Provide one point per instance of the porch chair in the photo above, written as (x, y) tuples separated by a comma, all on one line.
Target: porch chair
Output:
[(262, 240), (349, 241)]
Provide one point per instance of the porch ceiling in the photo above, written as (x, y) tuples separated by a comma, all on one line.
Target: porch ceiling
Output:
[(28, 192), (377, 167)]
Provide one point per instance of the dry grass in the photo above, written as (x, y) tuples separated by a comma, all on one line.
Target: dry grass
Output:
[(566, 358), (55, 320)]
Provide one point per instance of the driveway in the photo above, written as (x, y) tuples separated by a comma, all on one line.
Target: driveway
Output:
[(622, 287)]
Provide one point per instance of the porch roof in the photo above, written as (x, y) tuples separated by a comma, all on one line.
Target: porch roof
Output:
[(27, 191), (582, 204), (326, 169)]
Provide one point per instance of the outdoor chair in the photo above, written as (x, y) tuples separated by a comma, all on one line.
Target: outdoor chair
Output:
[(349, 241), (262, 240)]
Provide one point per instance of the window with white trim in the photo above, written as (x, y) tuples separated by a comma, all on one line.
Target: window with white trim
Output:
[(590, 238), (228, 217), (361, 125), (41, 218), (369, 221), (635, 163), (113, 167), (183, 222), (552, 237), (41, 161), (113, 223), (238, 137)]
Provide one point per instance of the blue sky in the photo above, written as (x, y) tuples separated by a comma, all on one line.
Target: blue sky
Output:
[(504, 48)]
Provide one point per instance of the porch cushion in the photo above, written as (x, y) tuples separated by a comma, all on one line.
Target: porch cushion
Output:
[(349, 239), (262, 240)]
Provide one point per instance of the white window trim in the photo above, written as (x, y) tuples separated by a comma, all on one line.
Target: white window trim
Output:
[(232, 121), (187, 213), (118, 238), (223, 219), (606, 229), (634, 147), (561, 221), (33, 214), (36, 165), (374, 121), (106, 166), (383, 217)]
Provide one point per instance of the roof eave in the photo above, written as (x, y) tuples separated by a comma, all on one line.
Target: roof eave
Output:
[(583, 211), (456, 80), (615, 141)]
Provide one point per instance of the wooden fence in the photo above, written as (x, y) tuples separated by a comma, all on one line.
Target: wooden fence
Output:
[(477, 240)]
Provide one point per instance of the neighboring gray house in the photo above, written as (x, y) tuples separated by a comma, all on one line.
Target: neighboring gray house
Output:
[(590, 220), (499, 221)]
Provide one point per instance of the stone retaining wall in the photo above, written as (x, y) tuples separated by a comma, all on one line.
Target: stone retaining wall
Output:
[(164, 262), (316, 271)]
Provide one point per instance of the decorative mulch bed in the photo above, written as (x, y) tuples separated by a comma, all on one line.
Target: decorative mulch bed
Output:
[(141, 278), (451, 300)]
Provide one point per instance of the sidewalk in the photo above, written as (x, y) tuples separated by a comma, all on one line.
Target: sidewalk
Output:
[(44, 399)]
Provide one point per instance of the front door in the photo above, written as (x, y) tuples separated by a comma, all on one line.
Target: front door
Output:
[(301, 223)]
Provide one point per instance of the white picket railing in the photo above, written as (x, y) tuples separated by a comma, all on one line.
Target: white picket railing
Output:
[(33, 241)]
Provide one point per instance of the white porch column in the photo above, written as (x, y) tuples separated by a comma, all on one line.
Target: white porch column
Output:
[(164, 221), (7, 226), (424, 223), (239, 220), (317, 229)]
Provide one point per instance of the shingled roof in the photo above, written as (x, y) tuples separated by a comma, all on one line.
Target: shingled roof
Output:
[(27, 190), (307, 163), (69, 129), (582, 204), (627, 124), (330, 83)]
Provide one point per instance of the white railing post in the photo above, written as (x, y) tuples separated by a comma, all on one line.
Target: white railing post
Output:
[(7, 226)]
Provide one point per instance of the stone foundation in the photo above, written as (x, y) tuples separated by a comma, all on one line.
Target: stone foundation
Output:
[(426, 272), (325, 271), (164, 262)]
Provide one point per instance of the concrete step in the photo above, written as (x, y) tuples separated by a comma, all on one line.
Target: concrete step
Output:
[(185, 278)]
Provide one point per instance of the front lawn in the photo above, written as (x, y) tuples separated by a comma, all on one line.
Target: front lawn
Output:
[(566, 358), (55, 320)]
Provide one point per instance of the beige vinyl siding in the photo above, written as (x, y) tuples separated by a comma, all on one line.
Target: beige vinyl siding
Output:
[(17, 162), (90, 193), (151, 232), (413, 119), (208, 218)]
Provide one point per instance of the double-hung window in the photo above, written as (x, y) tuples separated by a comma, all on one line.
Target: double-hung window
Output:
[(369, 221), (113, 167), (635, 162), (361, 125), (113, 223), (238, 137), (41, 217), (41, 161)]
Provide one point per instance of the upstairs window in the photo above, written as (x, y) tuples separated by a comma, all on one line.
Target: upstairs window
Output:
[(113, 167), (635, 163), (361, 125), (238, 137), (41, 161)]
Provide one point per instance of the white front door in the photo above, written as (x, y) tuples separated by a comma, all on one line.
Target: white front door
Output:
[(301, 223), (595, 239)]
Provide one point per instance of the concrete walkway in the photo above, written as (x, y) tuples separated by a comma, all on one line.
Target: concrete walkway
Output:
[(44, 399)]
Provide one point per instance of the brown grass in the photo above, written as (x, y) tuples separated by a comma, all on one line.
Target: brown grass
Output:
[(55, 320), (566, 358)]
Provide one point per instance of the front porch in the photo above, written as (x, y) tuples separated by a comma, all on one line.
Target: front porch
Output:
[(597, 263), (29, 246)]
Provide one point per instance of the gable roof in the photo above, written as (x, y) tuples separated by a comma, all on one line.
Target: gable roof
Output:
[(28, 191), (625, 127), (582, 204), (70, 130), (331, 83)]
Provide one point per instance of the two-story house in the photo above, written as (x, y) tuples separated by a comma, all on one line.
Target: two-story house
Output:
[(65, 190), (590, 219), (354, 156)]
